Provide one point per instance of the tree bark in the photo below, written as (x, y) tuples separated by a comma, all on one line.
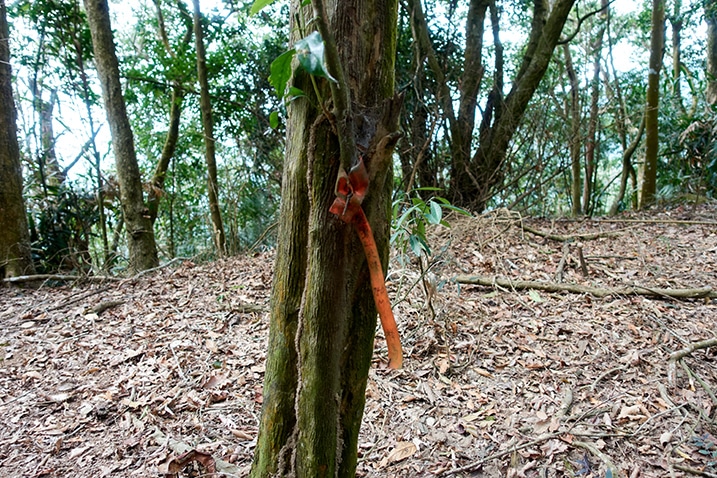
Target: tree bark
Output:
[(323, 315), (592, 136), (15, 257), (657, 40), (575, 140), (711, 18), (209, 143), (140, 236)]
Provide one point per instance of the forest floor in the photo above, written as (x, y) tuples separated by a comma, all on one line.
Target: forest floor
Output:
[(119, 378)]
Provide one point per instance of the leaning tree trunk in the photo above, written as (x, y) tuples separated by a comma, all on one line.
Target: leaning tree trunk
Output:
[(15, 256), (487, 162), (140, 236), (209, 144), (323, 316)]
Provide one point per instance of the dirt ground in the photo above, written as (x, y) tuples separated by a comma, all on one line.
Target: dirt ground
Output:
[(118, 378)]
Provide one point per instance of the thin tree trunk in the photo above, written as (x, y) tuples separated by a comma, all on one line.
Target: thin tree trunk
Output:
[(711, 18), (575, 140), (156, 190), (140, 236), (15, 257), (649, 179), (209, 143), (591, 140), (627, 168), (676, 22)]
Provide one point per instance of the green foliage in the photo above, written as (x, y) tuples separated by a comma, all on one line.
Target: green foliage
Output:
[(310, 52), (411, 218), (60, 229), (281, 72)]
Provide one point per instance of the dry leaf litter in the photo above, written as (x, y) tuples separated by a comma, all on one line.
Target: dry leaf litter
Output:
[(162, 374)]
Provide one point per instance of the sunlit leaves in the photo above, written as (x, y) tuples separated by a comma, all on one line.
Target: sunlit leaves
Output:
[(259, 5), (281, 72), (310, 52)]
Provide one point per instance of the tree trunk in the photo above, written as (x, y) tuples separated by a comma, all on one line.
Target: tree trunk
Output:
[(170, 145), (575, 140), (649, 178), (323, 316), (140, 236), (15, 258), (487, 162), (591, 140), (676, 22), (156, 190), (711, 18), (209, 143)]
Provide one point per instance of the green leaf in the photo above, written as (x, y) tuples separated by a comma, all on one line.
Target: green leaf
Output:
[(419, 245), (310, 52), (535, 297), (259, 5), (294, 93), (281, 72), (436, 213), (274, 119)]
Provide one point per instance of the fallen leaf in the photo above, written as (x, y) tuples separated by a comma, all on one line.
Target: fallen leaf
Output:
[(402, 451)]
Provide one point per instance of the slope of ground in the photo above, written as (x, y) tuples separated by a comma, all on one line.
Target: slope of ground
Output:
[(119, 378)]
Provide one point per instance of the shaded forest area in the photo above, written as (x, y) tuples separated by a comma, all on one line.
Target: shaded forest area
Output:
[(120, 378), (206, 206)]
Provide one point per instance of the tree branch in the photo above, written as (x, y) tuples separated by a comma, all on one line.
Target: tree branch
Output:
[(581, 20)]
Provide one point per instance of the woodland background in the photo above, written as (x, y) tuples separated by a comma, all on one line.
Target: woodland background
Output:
[(579, 148)]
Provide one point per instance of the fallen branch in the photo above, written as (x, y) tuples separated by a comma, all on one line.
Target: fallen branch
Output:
[(649, 221), (584, 289), (573, 237), (695, 471), (479, 463), (58, 277), (704, 344)]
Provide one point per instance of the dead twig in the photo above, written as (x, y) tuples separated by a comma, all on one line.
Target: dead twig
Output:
[(694, 471)]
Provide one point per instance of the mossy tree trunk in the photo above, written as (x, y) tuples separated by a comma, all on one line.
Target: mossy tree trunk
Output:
[(323, 316), (15, 258), (657, 41), (140, 235)]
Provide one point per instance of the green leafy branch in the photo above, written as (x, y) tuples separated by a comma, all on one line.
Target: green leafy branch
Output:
[(413, 215)]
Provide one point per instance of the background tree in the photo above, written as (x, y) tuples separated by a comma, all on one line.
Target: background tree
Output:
[(15, 257), (649, 178), (711, 18), (140, 235), (474, 174), (323, 315), (208, 128)]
